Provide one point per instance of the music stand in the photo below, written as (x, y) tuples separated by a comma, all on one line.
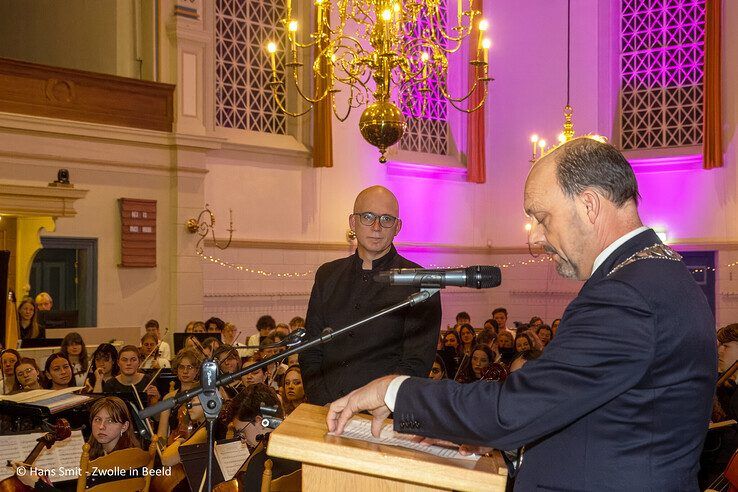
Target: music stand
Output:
[(58, 319), (41, 342), (194, 459)]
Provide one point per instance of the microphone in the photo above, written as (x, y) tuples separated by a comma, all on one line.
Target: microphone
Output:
[(477, 277)]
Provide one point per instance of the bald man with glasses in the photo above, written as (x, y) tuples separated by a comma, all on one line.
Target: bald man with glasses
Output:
[(345, 292)]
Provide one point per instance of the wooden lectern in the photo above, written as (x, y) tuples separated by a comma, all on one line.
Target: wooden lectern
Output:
[(331, 463)]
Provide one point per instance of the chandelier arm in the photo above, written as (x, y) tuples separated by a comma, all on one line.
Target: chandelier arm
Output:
[(476, 108), (284, 109), (468, 94)]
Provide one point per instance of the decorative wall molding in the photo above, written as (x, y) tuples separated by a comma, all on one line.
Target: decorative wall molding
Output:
[(39, 200), (30, 88), (337, 246), (255, 295)]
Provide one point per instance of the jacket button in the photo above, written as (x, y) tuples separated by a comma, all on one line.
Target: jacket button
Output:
[(357, 306)]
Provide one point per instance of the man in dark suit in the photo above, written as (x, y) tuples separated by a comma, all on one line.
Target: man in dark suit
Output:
[(345, 292), (621, 397)]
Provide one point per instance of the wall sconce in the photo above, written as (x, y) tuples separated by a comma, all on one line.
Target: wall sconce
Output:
[(203, 227)]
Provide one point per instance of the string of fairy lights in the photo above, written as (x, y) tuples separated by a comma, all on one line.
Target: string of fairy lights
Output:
[(519, 263)]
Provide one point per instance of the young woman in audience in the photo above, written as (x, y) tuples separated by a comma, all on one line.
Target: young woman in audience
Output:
[(274, 371), (186, 365), (129, 361), (27, 375), (27, 322), (229, 334), (492, 326), (452, 353), (527, 340), (555, 326), (468, 338), (152, 359), (8, 358), (505, 347), (257, 376), (544, 334), (188, 328), (438, 371), (535, 322), (104, 367), (292, 391), (74, 348), (481, 357), (58, 372), (198, 327)]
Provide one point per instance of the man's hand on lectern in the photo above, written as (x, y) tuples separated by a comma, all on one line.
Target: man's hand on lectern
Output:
[(369, 397)]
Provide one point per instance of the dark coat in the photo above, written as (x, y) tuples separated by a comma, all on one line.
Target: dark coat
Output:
[(619, 400), (403, 342)]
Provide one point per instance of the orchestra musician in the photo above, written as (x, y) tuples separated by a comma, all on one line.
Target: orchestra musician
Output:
[(103, 368), (129, 361), (228, 362), (27, 375), (186, 365), (73, 346), (58, 372), (150, 353), (8, 358)]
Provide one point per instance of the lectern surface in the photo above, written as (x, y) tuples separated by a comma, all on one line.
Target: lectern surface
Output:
[(303, 436)]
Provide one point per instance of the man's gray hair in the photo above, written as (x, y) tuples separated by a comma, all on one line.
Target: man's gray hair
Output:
[(588, 163)]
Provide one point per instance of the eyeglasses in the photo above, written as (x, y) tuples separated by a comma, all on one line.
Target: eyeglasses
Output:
[(26, 372), (241, 433), (368, 219), (183, 367)]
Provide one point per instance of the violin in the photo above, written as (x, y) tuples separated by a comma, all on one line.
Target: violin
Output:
[(61, 430), (728, 480), (184, 426)]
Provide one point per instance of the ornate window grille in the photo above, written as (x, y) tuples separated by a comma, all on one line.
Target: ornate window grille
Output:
[(428, 133), (243, 98), (661, 68)]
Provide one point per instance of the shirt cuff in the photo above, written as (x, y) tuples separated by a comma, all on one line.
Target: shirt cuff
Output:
[(390, 397)]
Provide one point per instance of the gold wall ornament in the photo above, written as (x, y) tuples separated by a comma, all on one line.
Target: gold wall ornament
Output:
[(203, 227), (377, 53)]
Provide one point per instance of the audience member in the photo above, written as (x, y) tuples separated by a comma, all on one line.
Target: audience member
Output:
[(73, 346), (500, 315), (104, 367), (292, 390), (214, 325), (492, 326), (186, 366), (727, 337), (481, 357), (198, 327), (112, 428), (257, 376), (27, 375), (468, 338), (505, 347), (535, 322), (44, 302), (544, 334), (28, 326), (8, 358), (555, 326), (438, 371), (58, 372)]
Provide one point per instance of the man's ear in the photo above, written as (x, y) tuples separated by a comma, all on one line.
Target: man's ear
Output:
[(592, 204), (352, 222), (398, 226)]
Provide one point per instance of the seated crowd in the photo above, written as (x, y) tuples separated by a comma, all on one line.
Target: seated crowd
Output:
[(125, 377)]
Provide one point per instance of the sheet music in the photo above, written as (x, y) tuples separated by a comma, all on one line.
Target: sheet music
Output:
[(62, 460), (361, 429), (231, 456)]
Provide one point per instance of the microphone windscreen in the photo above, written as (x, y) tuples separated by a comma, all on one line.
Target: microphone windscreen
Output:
[(483, 276)]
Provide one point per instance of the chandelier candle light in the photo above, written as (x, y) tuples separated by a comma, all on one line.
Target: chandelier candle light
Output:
[(381, 41)]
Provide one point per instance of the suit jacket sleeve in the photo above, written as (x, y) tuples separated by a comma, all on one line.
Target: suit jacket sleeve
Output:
[(421, 328), (311, 359), (604, 347)]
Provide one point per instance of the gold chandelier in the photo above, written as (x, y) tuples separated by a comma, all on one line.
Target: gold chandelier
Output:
[(402, 46)]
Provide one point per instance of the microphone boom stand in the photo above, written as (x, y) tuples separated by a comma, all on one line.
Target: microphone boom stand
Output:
[(209, 395)]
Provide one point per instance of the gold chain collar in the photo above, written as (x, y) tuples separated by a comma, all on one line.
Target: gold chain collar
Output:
[(656, 252)]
